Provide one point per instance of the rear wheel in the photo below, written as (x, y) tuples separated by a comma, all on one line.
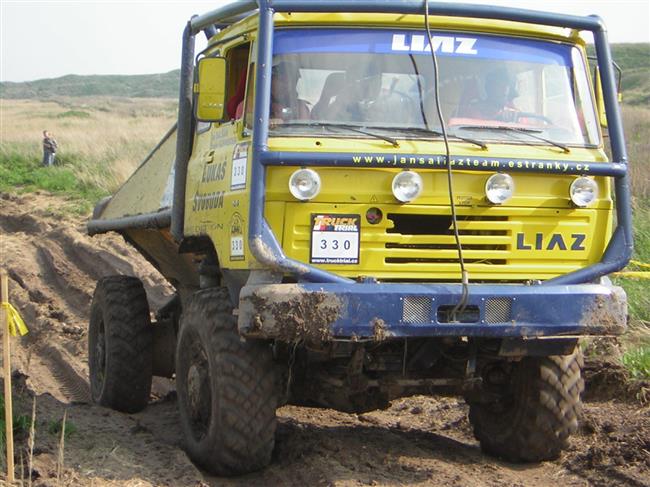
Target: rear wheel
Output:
[(226, 388), (120, 344), (537, 409)]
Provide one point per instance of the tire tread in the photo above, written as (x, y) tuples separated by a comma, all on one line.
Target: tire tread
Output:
[(548, 410), (244, 437), (122, 302)]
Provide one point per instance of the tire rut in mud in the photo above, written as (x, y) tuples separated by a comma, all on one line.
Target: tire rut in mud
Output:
[(74, 386)]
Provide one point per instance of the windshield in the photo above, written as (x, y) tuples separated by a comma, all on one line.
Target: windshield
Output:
[(384, 79)]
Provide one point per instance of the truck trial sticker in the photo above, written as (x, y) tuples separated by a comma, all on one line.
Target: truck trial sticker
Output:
[(335, 239)]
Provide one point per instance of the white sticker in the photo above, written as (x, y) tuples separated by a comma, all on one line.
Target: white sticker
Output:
[(236, 247), (239, 163), (236, 237), (335, 239)]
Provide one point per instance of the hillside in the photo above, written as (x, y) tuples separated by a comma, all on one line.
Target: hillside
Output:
[(164, 85), (634, 60)]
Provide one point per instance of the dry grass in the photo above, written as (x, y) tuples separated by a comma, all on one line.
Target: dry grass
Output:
[(636, 121), (104, 139)]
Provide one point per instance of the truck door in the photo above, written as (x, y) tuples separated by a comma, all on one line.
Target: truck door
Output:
[(218, 169)]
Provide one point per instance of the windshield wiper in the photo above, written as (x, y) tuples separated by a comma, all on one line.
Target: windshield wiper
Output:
[(353, 128), (436, 133), (529, 132)]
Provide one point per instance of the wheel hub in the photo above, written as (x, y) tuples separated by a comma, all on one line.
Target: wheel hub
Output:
[(199, 397), (100, 352), (195, 384)]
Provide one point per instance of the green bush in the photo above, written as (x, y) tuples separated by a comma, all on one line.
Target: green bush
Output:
[(637, 362), (24, 173), (74, 114), (21, 423), (54, 427)]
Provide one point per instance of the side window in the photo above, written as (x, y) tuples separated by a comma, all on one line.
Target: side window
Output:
[(237, 58)]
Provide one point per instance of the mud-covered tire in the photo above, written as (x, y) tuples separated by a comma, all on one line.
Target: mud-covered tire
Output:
[(227, 394), (120, 344), (534, 420)]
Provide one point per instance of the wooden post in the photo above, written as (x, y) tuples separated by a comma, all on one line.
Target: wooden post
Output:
[(6, 363)]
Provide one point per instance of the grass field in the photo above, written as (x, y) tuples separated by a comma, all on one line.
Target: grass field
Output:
[(637, 341), (102, 141)]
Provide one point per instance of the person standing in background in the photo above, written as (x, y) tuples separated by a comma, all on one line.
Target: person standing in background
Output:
[(49, 149)]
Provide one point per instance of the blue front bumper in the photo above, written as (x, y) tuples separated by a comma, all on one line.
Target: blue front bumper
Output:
[(322, 312)]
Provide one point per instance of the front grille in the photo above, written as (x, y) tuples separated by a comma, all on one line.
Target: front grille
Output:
[(436, 243), (416, 243), (409, 224)]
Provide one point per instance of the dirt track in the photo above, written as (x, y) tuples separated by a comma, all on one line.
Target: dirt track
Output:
[(53, 267)]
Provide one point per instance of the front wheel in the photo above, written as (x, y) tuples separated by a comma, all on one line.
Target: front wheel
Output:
[(537, 409), (226, 388)]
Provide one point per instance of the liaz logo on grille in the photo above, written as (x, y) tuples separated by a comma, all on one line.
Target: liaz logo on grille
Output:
[(551, 242)]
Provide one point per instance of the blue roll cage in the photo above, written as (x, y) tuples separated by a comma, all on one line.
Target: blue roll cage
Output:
[(262, 242)]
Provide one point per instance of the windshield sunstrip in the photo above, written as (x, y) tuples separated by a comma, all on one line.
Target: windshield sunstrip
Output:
[(390, 41)]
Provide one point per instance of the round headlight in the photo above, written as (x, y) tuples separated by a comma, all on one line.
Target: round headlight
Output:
[(499, 188), (304, 184), (407, 186), (583, 191)]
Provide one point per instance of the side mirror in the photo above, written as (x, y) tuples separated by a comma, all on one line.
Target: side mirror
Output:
[(210, 90)]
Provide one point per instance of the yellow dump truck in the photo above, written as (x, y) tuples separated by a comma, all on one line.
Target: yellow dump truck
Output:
[(367, 200)]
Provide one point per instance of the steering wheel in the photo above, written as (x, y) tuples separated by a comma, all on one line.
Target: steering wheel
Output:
[(533, 116)]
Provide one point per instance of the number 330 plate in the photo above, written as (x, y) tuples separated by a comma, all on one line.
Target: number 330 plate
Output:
[(335, 239)]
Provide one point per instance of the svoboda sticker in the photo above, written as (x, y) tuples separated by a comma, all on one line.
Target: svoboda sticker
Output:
[(207, 201), (335, 239)]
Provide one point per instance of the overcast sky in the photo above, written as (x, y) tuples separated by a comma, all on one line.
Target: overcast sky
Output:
[(48, 39)]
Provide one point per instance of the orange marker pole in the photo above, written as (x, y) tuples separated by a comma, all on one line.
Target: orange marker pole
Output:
[(6, 362)]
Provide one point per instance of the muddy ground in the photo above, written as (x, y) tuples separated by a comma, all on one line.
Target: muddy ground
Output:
[(53, 267)]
